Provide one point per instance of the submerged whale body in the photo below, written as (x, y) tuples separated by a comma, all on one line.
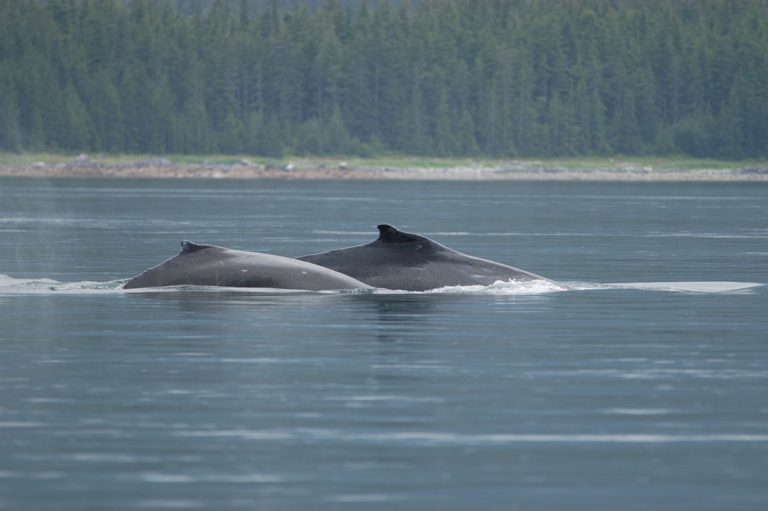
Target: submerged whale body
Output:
[(208, 265), (400, 260)]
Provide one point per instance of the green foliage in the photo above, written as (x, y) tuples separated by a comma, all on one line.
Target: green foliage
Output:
[(436, 77)]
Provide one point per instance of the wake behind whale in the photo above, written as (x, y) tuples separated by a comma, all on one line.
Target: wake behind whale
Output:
[(10, 286)]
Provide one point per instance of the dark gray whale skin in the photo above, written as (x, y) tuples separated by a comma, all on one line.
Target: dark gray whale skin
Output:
[(401, 260), (208, 265)]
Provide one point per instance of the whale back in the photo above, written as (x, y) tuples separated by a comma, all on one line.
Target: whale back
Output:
[(402, 260), (210, 265)]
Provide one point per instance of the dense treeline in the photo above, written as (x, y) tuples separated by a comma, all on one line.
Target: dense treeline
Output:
[(447, 77)]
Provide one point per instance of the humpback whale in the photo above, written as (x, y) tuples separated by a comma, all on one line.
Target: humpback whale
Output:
[(401, 260), (209, 265)]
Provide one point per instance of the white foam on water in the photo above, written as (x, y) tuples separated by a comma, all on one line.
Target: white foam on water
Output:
[(695, 287), (725, 287), (45, 286), (10, 285), (15, 286), (500, 287), (537, 287)]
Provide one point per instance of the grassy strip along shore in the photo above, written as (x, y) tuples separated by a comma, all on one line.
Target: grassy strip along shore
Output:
[(52, 165)]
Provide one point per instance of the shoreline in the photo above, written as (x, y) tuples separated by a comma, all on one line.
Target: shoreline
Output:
[(513, 170)]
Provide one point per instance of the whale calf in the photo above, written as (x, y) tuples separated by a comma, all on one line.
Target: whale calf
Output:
[(401, 260), (209, 265)]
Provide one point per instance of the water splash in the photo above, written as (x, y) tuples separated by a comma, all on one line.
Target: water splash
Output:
[(511, 287)]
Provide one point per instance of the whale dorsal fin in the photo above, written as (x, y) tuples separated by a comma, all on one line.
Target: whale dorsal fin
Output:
[(187, 247), (388, 234)]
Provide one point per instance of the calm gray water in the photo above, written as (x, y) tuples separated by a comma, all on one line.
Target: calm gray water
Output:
[(645, 386)]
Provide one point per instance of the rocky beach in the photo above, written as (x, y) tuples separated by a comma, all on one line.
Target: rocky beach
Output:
[(85, 166)]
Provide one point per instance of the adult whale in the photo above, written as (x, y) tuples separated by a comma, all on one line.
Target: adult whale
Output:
[(208, 265), (401, 260)]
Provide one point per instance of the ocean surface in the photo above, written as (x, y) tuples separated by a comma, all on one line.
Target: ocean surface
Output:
[(639, 383)]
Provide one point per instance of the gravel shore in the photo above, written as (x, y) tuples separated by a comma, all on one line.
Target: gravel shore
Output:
[(83, 166)]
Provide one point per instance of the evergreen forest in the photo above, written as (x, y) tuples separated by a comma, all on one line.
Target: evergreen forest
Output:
[(500, 78)]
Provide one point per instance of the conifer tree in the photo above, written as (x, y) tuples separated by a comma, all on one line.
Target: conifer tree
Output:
[(447, 77)]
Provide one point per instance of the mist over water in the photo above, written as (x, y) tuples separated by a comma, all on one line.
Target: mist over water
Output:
[(638, 382)]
